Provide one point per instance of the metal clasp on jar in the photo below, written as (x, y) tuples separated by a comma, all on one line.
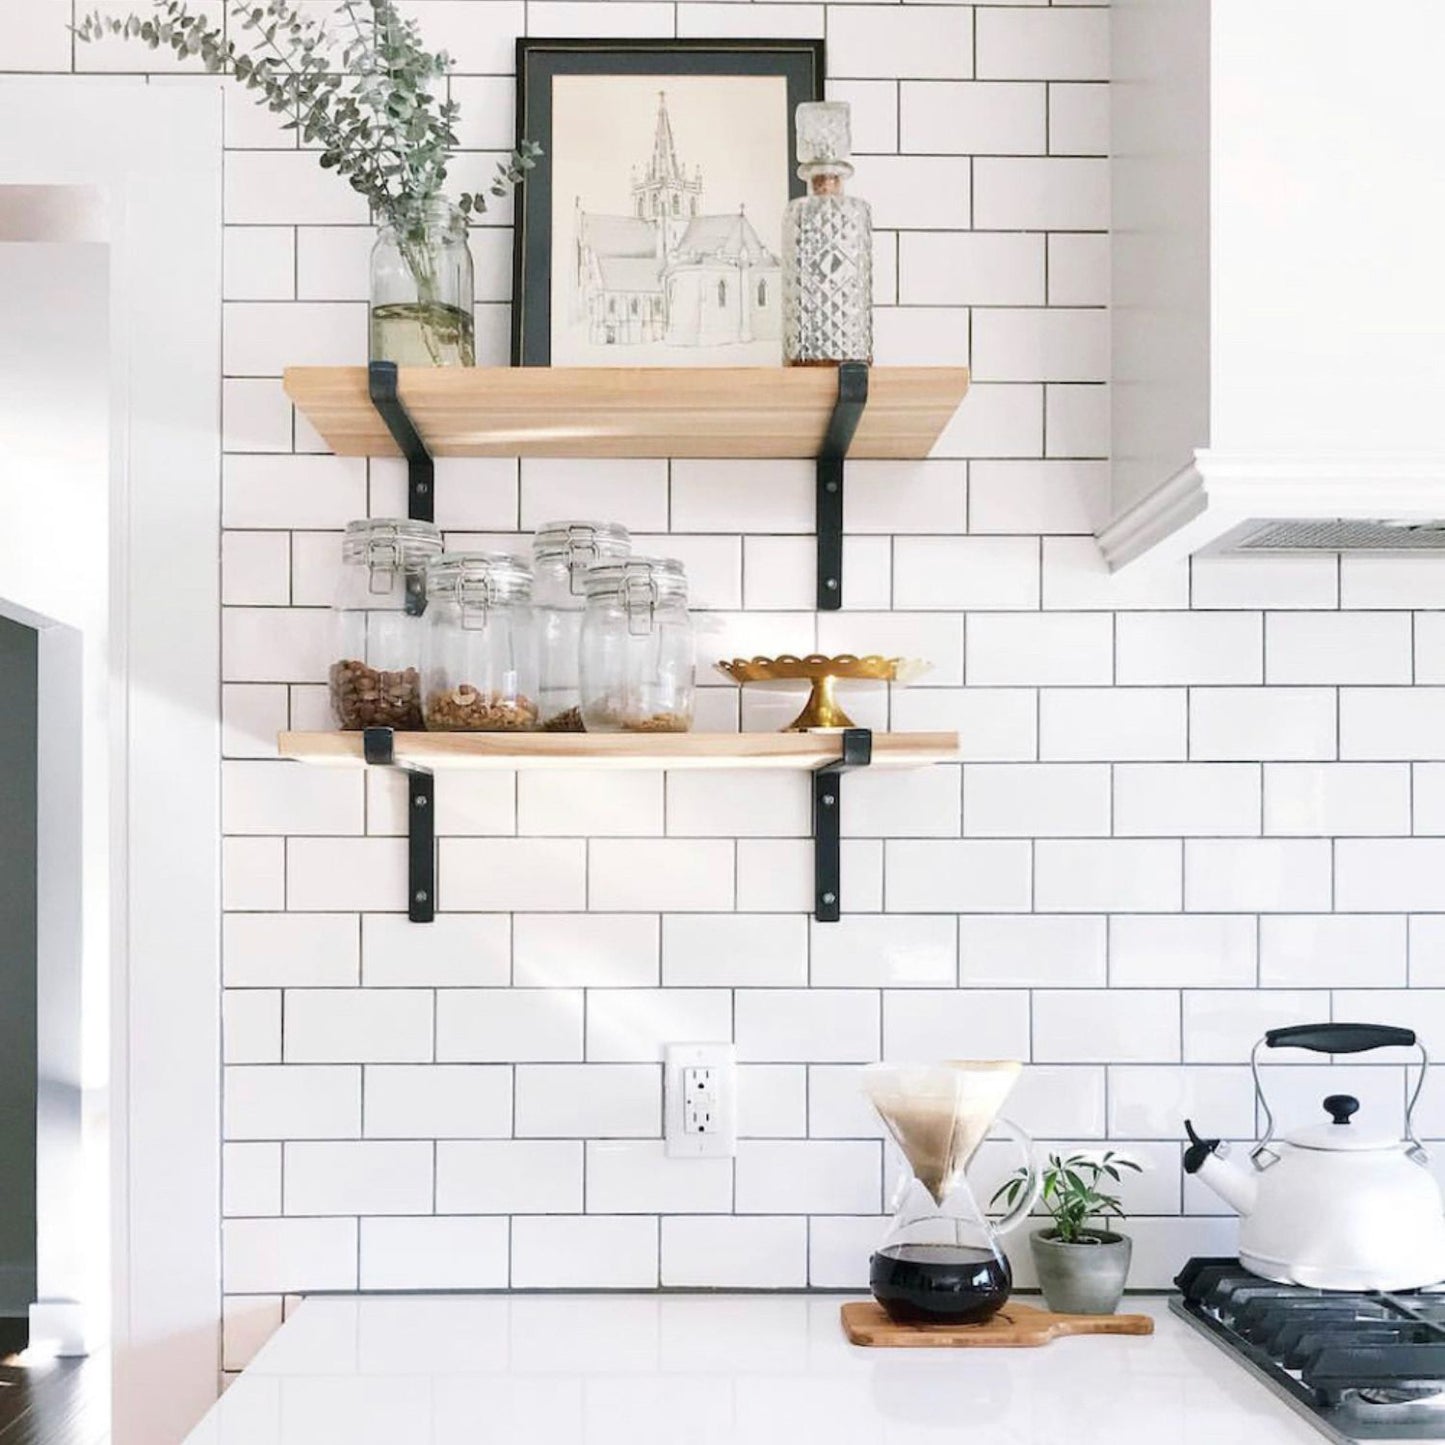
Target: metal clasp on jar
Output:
[(476, 596), (639, 596), (581, 554)]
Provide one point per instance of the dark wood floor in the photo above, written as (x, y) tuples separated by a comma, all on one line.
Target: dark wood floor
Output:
[(55, 1402)]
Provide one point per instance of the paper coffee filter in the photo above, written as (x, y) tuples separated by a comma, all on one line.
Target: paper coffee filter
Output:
[(938, 1114)]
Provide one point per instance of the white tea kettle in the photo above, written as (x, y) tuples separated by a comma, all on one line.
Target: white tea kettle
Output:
[(1332, 1206)]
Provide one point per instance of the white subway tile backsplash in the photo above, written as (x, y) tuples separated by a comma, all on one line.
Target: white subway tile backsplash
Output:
[(1033, 343), (1163, 800), (1256, 875), (533, 1024), (597, 1251), (1239, 723), (1135, 744), (261, 950), (885, 40), (1032, 951), (1052, 496), (1106, 1026), (971, 268), (600, 1101), (270, 1102), (564, 950), (504, 1176), (1327, 951), (1025, 800), (1338, 647), (434, 1254), (945, 875), (1388, 875), (796, 1176), (1183, 950), (638, 1023), (434, 1101), (358, 1025), (283, 1255), (966, 574), (1107, 875), (733, 949), (1043, 649), (990, 118), (1103, 723), (838, 1025), (250, 1179), (1164, 649), (1392, 722), (635, 1176), (358, 1177), (1221, 1026), (1043, 44), (1328, 799), (970, 1023), (1034, 193), (735, 1253)]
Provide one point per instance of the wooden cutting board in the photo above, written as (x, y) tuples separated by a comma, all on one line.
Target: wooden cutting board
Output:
[(865, 1322)]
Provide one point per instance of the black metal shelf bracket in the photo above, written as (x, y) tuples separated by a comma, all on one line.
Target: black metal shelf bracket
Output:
[(420, 468), (827, 821), (847, 412), (378, 748)]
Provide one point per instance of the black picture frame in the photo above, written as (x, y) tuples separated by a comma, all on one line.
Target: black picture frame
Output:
[(799, 61)]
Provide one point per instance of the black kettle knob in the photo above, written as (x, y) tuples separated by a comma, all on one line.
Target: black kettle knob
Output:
[(1341, 1106)]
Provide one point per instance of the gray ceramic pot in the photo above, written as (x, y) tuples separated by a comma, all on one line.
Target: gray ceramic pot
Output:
[(1082, 1279)]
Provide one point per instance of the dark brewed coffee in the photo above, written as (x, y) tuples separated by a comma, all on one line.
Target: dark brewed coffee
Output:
[(939, 1283)]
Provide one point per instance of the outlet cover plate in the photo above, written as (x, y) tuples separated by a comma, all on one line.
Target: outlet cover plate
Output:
[(719, 1142)]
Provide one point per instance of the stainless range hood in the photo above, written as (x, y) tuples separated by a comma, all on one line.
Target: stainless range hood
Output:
[(1278, 299)]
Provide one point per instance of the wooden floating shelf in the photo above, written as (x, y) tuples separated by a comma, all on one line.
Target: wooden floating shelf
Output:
[(748, 412), (803, 752)]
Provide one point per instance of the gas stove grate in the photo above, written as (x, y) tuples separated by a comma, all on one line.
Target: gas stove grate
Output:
[(1361, 1366)]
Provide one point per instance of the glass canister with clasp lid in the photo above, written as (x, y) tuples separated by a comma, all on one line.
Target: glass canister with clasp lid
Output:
[(378, 622), (638, 648), (562, 554), (480, 666)]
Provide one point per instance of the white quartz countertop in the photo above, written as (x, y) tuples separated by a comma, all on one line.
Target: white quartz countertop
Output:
[(707, 1369)]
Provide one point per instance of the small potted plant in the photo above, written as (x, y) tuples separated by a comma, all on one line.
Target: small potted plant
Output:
[(1082, 1270), (362, 90)]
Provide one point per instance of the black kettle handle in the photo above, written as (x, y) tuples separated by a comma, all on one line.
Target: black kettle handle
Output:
[(1340, 1038)]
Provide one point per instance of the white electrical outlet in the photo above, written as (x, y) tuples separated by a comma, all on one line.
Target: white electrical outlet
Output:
[(701, 1101)]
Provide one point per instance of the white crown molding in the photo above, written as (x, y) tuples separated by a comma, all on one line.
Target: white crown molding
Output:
[(1216, 491)]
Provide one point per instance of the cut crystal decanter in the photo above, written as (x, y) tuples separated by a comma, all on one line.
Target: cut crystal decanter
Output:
[(827, 249)]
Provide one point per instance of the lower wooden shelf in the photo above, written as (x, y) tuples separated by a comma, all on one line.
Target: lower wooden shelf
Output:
[(803, 752)]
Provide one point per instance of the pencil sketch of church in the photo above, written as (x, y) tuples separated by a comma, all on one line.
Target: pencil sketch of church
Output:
[(668, 273)]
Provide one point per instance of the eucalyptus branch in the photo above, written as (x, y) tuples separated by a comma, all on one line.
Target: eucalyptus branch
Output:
[(370, 101)]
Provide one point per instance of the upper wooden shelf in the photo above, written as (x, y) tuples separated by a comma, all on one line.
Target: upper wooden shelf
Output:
[(800, 751), (750, 412)]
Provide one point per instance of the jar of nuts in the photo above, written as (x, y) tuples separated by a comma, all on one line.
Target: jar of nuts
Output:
[(378, 623), (562, 552), (480, 669), (638, 649)]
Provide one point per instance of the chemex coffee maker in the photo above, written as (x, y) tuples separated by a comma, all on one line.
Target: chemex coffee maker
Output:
[(940, 1261)]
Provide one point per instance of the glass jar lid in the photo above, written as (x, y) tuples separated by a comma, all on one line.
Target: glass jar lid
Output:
[(382, 542), (581, 544), (639, 582), (478, 579)]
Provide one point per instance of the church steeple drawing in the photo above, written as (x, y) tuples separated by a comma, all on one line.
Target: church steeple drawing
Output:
[(666, 274), (664, 192)]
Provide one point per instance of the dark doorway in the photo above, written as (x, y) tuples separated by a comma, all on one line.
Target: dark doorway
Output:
[(18, 738)]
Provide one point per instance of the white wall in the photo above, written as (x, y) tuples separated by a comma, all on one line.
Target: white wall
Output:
[(1195, 801)]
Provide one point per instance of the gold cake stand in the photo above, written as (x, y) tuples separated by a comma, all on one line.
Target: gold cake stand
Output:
[(821, 712)]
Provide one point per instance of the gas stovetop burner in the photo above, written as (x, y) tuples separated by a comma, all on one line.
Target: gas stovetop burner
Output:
[(1364, 1366)]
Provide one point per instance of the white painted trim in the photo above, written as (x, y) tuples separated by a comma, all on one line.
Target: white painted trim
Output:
[(1217, 492), (153, 151)]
